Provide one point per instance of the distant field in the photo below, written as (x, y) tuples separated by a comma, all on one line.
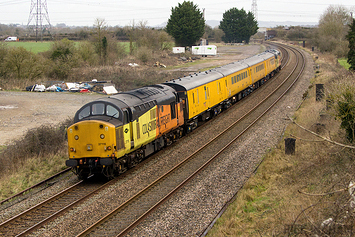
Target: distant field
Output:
[(35, 47), (38, 47)]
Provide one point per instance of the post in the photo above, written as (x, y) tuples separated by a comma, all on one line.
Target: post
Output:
[(290, 146), (319, 92)]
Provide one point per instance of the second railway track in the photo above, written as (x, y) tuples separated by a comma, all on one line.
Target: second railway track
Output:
[(131, 208)]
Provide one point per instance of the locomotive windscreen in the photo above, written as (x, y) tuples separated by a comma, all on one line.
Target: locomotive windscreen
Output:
[(98, 108)]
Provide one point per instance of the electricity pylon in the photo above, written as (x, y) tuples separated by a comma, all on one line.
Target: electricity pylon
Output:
[(254, 9), (38, 12)]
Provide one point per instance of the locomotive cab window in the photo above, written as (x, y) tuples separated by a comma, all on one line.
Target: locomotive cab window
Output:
[(84, 112), (98, 109), (112, 111)]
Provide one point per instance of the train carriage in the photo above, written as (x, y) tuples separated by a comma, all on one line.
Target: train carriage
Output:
[(115, 133)]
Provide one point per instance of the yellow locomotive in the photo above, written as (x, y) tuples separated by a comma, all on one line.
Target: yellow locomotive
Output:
[(115, 133)]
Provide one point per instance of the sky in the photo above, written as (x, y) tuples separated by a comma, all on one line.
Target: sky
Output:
[(154, 13)]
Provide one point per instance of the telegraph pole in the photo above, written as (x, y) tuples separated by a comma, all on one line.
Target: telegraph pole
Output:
[(38, 12)]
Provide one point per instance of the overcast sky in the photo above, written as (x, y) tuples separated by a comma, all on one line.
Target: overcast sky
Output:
[(124, 12)]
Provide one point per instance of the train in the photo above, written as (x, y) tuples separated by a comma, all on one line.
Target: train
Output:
[(115, 133)]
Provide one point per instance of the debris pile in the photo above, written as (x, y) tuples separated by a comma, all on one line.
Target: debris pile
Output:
[(104, 87)]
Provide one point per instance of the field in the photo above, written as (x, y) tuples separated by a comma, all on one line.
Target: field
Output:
[(35, 47), (39, 47)]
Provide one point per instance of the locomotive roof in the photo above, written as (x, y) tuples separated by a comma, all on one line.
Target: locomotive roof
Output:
[(160, 93)]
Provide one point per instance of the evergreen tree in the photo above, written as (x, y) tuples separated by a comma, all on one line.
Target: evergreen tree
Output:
[(351, 38), (186, 24), (238, 26)]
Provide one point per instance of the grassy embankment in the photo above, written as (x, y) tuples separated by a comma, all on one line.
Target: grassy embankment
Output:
[(39, 154), (291, 195)]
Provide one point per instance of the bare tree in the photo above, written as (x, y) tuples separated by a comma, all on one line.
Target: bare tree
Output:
[(333, 27), (99, 32)]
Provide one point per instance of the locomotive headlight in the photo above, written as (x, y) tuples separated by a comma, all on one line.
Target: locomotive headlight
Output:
[(76, 137), (109, 148), (102, 136), (72, 149)]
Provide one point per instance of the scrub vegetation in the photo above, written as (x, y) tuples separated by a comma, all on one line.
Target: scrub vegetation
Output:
[(40, 154), (101, 55)]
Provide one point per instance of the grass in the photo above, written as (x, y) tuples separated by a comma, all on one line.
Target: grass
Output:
[(31, 172), (343, 62), (276, 200)]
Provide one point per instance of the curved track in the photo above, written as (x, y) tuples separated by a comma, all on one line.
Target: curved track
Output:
[(129, 214)]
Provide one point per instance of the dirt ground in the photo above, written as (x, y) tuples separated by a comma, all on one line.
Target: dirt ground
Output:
[(20, 111)]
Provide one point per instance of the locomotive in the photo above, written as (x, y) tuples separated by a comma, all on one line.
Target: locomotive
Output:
[(115, 133)]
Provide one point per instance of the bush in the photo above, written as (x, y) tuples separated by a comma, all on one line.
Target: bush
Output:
[(144, 54), (64, 56), (38, 142), (343, 98), (87, 52)]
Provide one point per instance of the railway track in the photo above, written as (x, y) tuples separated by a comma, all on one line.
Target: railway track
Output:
[(34, 186), (35, 217), (128, 214), (149, 199)]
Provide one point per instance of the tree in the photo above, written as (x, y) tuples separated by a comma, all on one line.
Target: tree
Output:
[(351, 38), (21, 63), (238, 25), (100, 30), (218, 34), (186, 24), (64, 57), (332, 30)]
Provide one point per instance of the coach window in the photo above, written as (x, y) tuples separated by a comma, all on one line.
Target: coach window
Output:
[(98, 109), (205, 94), (84, 112), (112, 111)]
